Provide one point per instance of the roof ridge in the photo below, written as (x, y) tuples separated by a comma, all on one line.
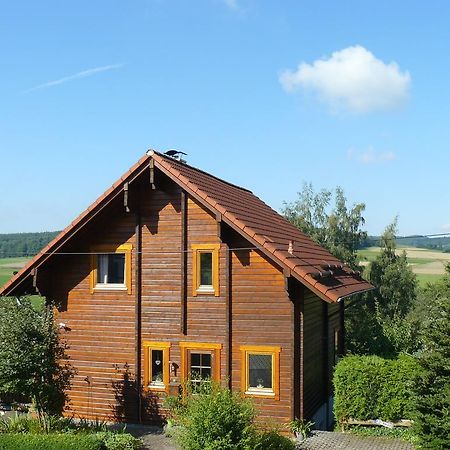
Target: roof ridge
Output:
[(168, 158)]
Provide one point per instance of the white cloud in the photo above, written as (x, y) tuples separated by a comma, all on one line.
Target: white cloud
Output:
[(83, 74), (446, 227), (370, 156), (352, 79)]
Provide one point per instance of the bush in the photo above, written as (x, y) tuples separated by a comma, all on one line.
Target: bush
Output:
[(218, 419), (271, 440), (370, 387), (214, 419), (50, 442), (119, 441)]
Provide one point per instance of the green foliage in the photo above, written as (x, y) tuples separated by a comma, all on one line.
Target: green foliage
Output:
[(215, 418), (218, 419), (31, 355), (403, 433), (338, 230), (24, 244), (370, 387), (50, 442), (432, 385), (378, 325), (300, 426), (272, 440), (119, 441)]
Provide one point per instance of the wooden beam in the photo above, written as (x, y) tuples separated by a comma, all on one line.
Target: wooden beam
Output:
[(152, 173), (184, 238), (125, 197), (34, 273), (298, 379), (325, 360), (138, 311), (229, 316)]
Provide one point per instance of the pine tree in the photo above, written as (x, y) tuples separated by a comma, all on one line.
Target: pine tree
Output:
[(432, 388)]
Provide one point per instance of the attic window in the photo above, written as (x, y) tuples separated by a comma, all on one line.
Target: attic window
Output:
[(111, 268), (205, 265)]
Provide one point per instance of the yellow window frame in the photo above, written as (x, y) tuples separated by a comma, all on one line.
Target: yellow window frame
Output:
[(274, 351), (99, 249), (212, 347), (197, 250), (148, 346)]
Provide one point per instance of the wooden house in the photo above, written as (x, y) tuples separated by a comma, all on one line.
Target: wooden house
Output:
[(174, 274)]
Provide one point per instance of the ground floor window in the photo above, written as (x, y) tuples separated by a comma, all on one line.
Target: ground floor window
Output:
[(200, 362), (156, 365), (260, 374)]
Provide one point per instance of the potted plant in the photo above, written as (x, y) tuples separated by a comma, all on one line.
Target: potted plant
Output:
[(300, 428)]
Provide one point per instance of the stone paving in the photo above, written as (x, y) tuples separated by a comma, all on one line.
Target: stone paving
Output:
[(326, 440), (154, 439)]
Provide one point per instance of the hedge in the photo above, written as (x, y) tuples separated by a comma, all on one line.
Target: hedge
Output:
[(370, 387), (50, 442)]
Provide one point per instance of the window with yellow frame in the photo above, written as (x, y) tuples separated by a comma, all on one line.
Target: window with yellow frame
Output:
[(205, 269), (200, 362), (111, 268), (156, 365), (260, 376)]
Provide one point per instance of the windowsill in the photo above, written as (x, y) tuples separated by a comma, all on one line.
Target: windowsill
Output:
[(208, 290), (110, 287), (255, 392), (156, 387)]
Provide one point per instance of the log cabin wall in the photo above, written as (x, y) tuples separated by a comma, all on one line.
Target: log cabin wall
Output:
[(262, 314), (99, 327), (321, 322)]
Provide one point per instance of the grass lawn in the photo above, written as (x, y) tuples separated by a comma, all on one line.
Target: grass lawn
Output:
[(424, 278), (8, 266)]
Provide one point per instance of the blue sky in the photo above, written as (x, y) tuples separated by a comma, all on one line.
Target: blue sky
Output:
[(267, 94)]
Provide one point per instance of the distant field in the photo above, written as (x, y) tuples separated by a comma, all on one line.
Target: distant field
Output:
[(428, 265), (8, 266)]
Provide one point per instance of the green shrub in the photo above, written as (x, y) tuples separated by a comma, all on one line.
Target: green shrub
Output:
[(370, 387), (215, 419), (119, 441), (272, 440), (50, 442)]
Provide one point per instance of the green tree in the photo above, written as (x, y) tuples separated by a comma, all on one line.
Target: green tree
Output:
[(32, 356), (432, 387), (379, 325), (326, 218)]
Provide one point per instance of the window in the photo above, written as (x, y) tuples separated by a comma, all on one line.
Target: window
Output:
[(156, 365), (260, 375), (205, 265), (111, 268), (200, 361)]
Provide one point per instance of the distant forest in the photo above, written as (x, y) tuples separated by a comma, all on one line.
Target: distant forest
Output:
[(28, 244), (432, 243), (24, 244)]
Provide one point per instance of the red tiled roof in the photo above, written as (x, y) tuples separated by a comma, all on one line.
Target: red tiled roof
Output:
[(243, 211), (268, 231)]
